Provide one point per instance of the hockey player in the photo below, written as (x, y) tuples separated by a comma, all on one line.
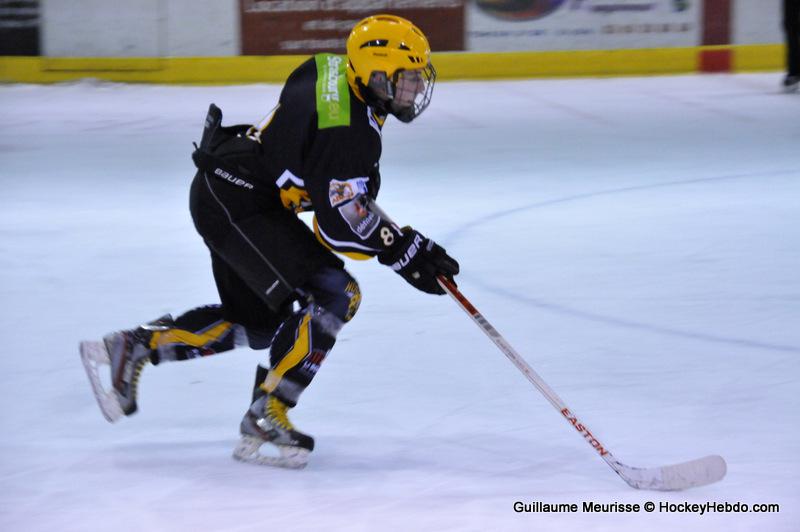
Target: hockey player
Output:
[(280, 285)]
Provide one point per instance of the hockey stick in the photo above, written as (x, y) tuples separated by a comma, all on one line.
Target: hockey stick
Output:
[(697, 472)]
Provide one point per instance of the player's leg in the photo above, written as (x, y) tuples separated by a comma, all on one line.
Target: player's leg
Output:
[(280, 260), (300, 346), (304, 340), (202, 331), (199, 332), (242, 319)]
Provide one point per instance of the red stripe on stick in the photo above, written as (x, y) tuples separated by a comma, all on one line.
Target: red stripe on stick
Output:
[(451, 286)]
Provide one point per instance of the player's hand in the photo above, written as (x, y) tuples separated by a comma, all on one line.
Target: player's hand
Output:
[(419, 261)]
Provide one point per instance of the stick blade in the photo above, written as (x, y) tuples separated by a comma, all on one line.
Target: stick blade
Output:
[(700, 472)]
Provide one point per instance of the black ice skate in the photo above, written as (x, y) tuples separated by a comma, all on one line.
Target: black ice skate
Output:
[(266, 422), (126, 353)]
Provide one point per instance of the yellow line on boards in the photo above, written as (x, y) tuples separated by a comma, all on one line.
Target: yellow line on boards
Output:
[(449, 65)]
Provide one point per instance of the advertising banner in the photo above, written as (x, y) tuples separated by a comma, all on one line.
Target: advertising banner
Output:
[(280, 27), (514, 25)]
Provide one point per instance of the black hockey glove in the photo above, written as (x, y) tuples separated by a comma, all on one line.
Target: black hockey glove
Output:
[(419, 260)]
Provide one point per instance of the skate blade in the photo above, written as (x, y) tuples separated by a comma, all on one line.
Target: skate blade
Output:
[(290, 458), (94, 355)]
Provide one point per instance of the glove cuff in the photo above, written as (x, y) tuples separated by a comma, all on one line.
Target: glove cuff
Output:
[(401, 254)]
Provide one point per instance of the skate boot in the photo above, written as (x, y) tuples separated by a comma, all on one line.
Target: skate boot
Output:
[(791, 83), (126, 353), (266, 422)]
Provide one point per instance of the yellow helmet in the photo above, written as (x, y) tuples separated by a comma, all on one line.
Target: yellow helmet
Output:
[(389, 66)]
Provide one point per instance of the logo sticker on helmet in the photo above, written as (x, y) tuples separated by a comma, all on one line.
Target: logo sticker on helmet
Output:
[(333, 96)]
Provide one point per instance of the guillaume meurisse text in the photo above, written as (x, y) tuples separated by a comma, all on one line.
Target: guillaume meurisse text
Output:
[(703, 508)]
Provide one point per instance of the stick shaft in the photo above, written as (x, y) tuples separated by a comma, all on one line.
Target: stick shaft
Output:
[(527, 370)]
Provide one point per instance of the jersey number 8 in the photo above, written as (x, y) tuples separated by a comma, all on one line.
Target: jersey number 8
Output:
[(387, 236)]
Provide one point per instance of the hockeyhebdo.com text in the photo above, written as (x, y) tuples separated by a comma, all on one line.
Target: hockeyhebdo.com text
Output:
[(647, 507)]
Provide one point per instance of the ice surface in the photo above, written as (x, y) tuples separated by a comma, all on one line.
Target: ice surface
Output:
[(637, 240)]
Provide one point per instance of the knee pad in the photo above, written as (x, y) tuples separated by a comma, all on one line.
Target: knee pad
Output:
[(353, 294), (336, 291)]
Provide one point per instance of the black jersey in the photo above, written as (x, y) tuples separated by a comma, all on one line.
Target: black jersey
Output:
[(321, 148)]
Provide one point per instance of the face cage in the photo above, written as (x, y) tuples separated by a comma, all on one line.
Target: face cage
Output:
[(406, 95), (412, 96)]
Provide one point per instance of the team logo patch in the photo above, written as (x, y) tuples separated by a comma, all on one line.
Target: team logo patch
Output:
[(341, 192)]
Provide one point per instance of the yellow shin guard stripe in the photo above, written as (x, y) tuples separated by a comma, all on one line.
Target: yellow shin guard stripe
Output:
[(301, 347), (179, 336)]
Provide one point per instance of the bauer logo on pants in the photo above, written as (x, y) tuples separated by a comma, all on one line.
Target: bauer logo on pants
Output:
[(239, 182)]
